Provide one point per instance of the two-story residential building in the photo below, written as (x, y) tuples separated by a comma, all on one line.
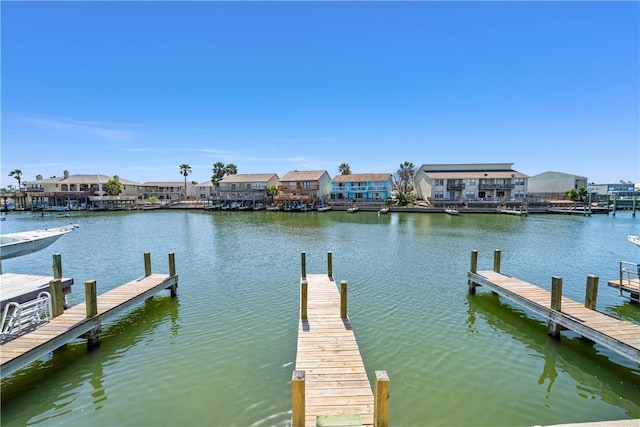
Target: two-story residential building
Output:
[(244, 191), (361, 187), (303, 190), (79, 191), (166, 191), (493, 182)]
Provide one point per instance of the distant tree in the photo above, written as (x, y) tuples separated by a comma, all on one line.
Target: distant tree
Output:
[(272, 191), (17, 174), (404, 177), (194, 182), (344, 169), (113, 187), (578, 195), (220, 170), (185, 170)]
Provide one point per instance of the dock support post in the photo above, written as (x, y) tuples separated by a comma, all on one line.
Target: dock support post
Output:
[(496, 260), (343, 299), (297, 399), (91, 298), (57, 298), (147, 264), (633, 209), (57, 266), (615, 205), (303, 260), (330, 264), (474, 269), (556, 304), (381, 402), (304, 292), (172, 273), (591, 296)]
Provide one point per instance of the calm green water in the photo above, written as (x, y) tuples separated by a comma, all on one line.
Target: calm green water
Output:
[(222, 352)]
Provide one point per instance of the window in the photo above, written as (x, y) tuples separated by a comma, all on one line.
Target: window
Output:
[(470, 182), (469, 195), (519, 181), (438, 194), (438, 182)]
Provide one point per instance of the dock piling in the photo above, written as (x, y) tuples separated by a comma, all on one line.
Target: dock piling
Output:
[(91, 298), (172, 273), (147, 264), (474, 269), (297, 399), (591, 296), (304, 292), (496, 260), (343, 299), (303, 260), (556, 304), (57, 266), (381, 403), (330, 264), (57, 298)]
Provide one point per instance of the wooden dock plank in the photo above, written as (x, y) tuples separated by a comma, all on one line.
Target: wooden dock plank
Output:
[(618, 335), (336, 382), (73, 323)]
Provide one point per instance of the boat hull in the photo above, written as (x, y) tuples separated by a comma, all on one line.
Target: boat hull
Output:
[(17, 244)]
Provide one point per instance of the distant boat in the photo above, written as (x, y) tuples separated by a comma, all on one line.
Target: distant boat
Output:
[(324, 208), (384, 210), (452, 211), (634, 239), (353, 209), (25, 242)]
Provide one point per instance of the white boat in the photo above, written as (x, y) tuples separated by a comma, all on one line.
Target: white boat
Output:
[(25, 242), (634, 239), (324, 208), (384, 210), (452, 211), (353, 209)]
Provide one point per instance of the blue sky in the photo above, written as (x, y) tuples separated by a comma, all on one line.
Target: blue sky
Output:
[(137, 88)]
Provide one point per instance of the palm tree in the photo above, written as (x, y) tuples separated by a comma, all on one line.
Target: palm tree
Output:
[(185, 170), (231, 169), (218, 172), (17, 174), (404, 177), (344, 169)]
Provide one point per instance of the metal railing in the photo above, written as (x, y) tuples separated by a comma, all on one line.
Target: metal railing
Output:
[(18, 317)]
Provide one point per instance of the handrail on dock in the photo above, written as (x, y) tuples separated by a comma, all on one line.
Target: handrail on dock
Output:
[(621, 336), (628, 281), (330, 385)]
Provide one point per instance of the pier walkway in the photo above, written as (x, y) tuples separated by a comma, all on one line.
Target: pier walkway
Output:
[(84, 318), (330, 386), (621, 336)]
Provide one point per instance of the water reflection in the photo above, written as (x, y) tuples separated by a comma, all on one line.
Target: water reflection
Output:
[(611, 382), (32, 385)]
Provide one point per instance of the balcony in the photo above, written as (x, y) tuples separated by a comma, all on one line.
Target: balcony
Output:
[(497, 186), (455, 187), (298, 188)]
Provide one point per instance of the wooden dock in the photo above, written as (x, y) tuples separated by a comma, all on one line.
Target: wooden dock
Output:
[(83, 319), (330, 386), (621, 336), (628, 280)]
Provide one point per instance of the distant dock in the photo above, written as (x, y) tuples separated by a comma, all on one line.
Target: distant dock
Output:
[(84, 319), (621, 336), (330, 386)]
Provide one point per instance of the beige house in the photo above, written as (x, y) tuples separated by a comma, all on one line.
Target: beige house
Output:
[(166, 191), (495, 182), (552, 185), (303, 190), (244, 191), (80, 191)]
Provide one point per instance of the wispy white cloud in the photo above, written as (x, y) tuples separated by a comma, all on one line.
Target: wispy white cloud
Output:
[(84, 127)]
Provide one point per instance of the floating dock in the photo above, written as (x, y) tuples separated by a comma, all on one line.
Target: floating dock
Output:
[(628, 280), (621, 336), (330, 386), (83, 319)]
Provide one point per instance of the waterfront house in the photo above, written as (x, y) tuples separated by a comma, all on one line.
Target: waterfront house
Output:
[(553, 185), (244, 191), (303, 189), (79, 191), (166, 191), (440, 184), (361, 187)]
